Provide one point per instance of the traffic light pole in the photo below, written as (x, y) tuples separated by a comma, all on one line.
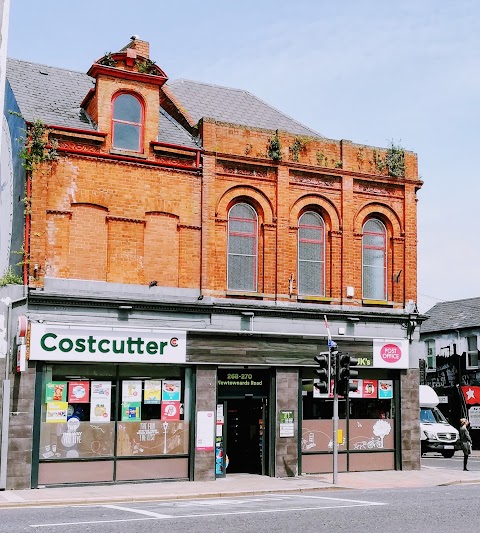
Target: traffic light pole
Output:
[(335, 423)]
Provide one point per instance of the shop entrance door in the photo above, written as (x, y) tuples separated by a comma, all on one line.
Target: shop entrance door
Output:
[(246, 435)]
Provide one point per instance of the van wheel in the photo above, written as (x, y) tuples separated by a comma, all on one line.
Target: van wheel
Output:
[(448, 454)]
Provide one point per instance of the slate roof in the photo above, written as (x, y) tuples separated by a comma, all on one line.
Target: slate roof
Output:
[(236, 106), (54, 95), (457, 314)]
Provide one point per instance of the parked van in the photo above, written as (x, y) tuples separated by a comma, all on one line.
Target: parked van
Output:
[(436, 434)]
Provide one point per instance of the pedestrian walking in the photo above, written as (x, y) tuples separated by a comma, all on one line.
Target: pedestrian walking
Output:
[(465, 441)]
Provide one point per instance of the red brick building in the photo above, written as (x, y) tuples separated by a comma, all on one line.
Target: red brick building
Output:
[(201, 215)]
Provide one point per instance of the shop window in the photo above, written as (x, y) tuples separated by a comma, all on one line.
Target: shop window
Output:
[(127, 123), (472, 352), (311, 255), (431, 355), (374, 261), (242, 248), (132, 411)]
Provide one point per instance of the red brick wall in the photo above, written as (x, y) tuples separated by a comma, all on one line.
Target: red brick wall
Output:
[(93, 218)]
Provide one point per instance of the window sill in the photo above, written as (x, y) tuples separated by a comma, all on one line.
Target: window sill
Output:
[(245, 295), (127, 153), (382, 303), (320, 299)]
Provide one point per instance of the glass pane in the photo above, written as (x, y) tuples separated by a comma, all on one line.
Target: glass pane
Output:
[(126, 137), (310, 278), (374, 226), (472, 343), (128, 108), (310, 251), (241, 245), (242, 226), (242, 211), (373, 283), (374, 240), (154, 437), (241, 273), (372, 257)]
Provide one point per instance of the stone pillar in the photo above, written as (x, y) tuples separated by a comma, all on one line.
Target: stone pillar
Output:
[(409, 384), (286, 448), (206, 400)]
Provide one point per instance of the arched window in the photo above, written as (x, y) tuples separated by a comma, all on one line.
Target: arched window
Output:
[(242, 248), (127, 123), (311, 255), (374, 260)]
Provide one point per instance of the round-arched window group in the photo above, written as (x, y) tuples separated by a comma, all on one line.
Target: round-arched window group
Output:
[(242, 261)]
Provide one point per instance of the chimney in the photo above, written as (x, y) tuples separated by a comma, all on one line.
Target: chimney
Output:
[(141, 47)]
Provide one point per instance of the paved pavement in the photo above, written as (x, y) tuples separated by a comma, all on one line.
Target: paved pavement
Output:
[(235, 485)]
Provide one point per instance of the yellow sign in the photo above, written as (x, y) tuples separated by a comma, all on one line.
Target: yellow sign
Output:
[(339, 436)]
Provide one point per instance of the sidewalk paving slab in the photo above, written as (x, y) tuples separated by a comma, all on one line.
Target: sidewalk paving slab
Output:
[(233, 485)]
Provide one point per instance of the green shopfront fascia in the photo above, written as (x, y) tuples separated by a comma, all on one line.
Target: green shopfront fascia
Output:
[(110, 405)]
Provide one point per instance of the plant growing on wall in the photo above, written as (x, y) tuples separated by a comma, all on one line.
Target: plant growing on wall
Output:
[(274, 148), (9, 278), (321, 159), (36, 147), (298, 145), (395, 161), (107, 60), (146, 66)]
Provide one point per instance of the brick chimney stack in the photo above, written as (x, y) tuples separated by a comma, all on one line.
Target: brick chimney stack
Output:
[(141, 47)]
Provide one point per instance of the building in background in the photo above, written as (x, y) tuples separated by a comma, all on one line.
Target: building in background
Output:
[(450, 338), (180, 245)]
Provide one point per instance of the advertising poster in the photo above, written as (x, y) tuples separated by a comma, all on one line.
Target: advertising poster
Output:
[(287, 426), (205, 431), (369, 388), (474, 417), (132, 391), (56, 391), (170, 411), (385, 389), (171, 391), (78, 392), (56, 412), (131, 411), (152, 392), (100, 407)]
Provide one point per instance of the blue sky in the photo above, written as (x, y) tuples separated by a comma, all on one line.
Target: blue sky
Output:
[(364, 70)]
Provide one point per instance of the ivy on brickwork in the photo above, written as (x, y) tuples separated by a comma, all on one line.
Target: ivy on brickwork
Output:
[(146, 66), (9, 278), (274, 148), (36, 147), (393, 161), (299, 145), (107, 60)]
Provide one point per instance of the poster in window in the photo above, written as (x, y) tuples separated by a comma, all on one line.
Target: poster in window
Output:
[(100, 407), (131, 411), (171, 391), (205, 431), (385, 389), (369, 388), (78, 392), (152, 392), (56, 412), (56, 391), (170, 411), (132, 391)]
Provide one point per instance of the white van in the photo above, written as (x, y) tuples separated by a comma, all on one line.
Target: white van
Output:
[(436, 434)]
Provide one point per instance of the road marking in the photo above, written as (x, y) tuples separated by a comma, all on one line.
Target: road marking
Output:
[(233, 513), (434, 467), (139, 511), (336, 499)]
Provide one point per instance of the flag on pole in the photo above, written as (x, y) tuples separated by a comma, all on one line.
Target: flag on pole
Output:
[(331, 343)]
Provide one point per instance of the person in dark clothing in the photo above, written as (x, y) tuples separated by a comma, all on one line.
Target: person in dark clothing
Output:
[(465, 441)]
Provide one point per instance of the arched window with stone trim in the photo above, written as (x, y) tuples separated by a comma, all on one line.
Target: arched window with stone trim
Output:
[(311, 255), (127, 122), (242, 261), (374, 260)]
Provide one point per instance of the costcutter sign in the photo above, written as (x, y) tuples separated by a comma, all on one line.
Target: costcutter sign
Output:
[(57, 342), (390, 354)]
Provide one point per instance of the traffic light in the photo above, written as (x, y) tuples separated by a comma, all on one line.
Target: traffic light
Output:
[(345, 373), (323, 372)]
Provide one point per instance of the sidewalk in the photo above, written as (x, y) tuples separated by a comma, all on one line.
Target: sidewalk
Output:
[(234, 485)]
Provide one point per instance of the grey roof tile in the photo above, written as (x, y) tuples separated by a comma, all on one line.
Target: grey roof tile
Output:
[(456, 314), (236, 106), (170, 131)]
